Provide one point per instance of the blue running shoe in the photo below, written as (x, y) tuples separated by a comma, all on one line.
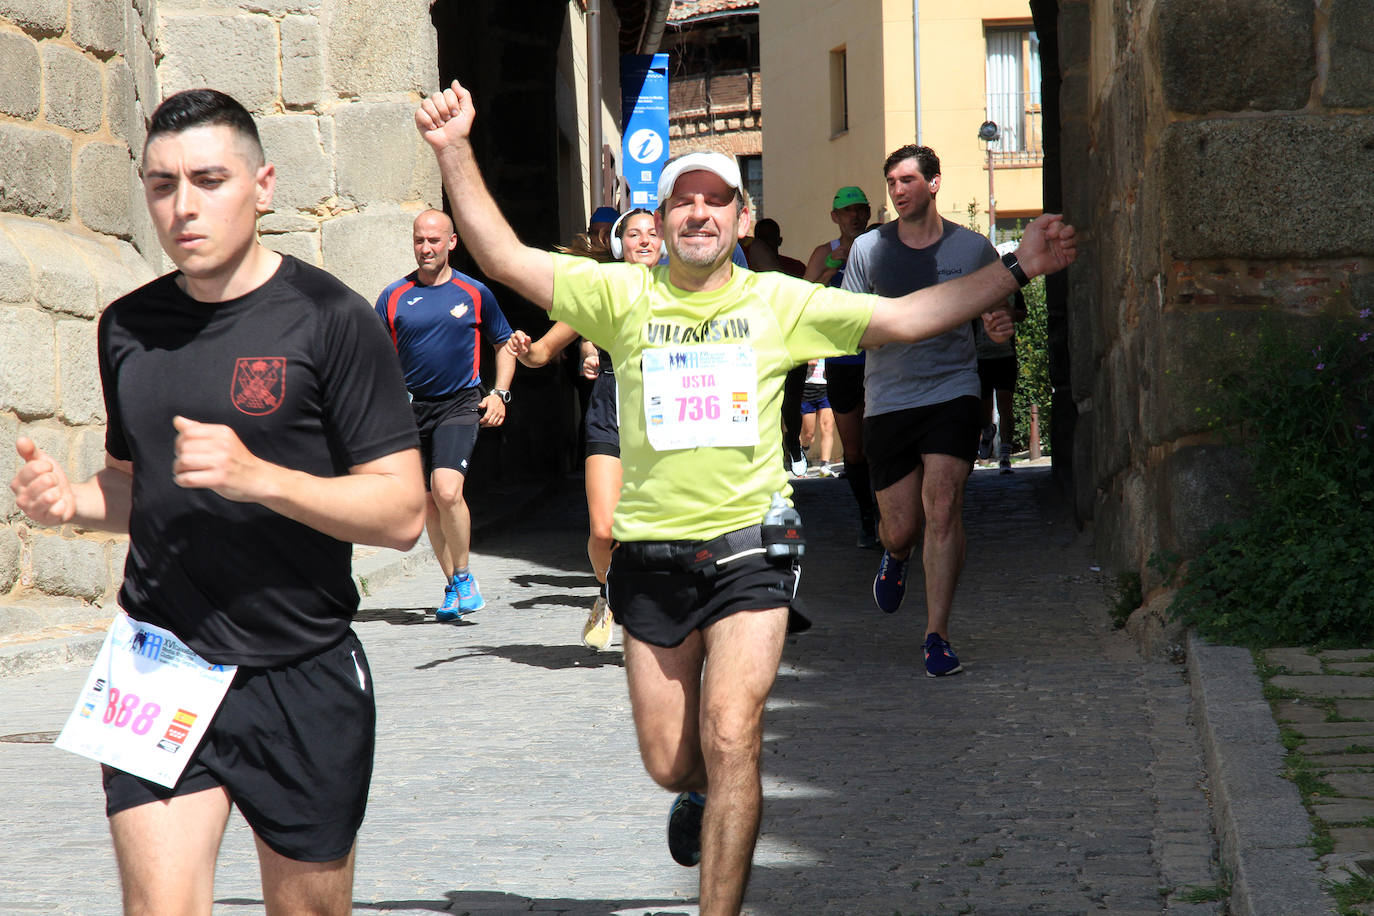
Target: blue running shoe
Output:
[(469, 595), (890, 584), (940, 657), (684, 828), (449, 610)]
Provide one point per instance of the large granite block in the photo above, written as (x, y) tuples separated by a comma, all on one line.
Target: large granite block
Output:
[(72, 89), (236, 54), (78, 373), (1350, 36), (1308, 193), (35, 172), (27, 358), (1245, 55), (104, 184), (22, 86), (98, 25), (304, 171), (367, 60)]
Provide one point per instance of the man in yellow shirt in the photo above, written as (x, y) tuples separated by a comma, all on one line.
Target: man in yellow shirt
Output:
[(700, 350)]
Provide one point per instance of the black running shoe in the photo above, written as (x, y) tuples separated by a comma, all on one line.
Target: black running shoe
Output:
[(684, 828)]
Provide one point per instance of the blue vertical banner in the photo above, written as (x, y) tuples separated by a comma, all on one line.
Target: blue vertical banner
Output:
[(644, 112)]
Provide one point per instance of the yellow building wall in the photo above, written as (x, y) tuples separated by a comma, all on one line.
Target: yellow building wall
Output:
[(803, 164), (576, 203), (954, 104)]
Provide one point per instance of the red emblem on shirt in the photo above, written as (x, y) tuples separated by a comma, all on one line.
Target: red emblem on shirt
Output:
[(259, 384)]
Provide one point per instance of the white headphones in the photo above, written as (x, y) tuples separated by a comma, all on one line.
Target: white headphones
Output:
[(617, 240)]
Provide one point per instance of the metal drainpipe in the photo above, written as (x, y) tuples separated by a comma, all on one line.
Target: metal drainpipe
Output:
[(654, 23), (916, 56), (598, 190)]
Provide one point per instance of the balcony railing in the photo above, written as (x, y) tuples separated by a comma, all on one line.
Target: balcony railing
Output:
[(1018, 118)]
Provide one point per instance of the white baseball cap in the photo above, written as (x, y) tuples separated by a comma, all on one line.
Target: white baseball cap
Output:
[(722, 166)]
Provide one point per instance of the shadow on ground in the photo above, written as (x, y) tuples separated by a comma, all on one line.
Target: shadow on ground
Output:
[(552, 658), (494, 903)]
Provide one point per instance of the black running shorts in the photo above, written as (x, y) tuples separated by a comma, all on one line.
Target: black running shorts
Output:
[(998, 373), (603, 422), (448, 430), (844, 386), (894, 442), (662, 606), (292, 746)]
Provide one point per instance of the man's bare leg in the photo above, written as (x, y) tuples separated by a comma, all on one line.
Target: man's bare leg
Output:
[(902, 515), (294, 888), (742, 655), (166, 852), (665, 691), (942, 556), (698, 711), (446, 492), (434, 528)]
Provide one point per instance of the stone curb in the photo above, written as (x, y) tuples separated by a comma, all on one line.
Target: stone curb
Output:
[(1261, 824), (497, 506)]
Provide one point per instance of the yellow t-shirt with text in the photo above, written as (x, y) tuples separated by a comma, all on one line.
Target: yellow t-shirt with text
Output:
[(702, 492)]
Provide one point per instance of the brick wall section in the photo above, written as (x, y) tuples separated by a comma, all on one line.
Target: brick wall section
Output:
[(1211, 198), (723, 113)]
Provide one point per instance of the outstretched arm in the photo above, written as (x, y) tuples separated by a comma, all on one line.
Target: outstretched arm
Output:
[(1049, 245), (445, 121)]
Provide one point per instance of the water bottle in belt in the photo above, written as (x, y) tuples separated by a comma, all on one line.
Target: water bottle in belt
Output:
[(781, 531)]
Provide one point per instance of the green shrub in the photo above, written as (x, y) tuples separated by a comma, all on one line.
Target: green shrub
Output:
[(1298, 569), (1033, 367)]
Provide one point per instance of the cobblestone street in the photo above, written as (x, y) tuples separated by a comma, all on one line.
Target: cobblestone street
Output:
[(1058, 774)]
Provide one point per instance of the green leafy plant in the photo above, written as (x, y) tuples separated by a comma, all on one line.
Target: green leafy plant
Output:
[(1296, 570), (1348, 894), (1033, 367), (1209, 893)]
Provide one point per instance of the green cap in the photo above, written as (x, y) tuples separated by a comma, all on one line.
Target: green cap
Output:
[(848, 197)]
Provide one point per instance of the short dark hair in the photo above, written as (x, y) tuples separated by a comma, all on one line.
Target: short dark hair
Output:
[(204, 108), (768, 230), (925, 157)]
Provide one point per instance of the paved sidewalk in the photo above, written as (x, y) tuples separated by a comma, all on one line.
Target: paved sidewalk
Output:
[(1060, 774)]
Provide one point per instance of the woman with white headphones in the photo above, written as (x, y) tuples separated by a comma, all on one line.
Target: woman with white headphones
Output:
[(634, 240)]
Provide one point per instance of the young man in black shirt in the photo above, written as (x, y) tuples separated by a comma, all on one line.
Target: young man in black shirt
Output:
[(257, 426)]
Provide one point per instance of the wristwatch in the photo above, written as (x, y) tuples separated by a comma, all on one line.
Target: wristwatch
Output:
[(1013, 265), (502, 393)]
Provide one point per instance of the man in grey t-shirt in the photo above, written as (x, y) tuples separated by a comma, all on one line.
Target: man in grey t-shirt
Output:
[(922, 406)]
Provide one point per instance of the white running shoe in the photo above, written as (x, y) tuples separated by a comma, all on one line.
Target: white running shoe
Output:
[(596, 632)]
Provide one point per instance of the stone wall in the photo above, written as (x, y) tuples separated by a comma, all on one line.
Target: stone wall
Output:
[(74, 80), (334, 96), (1220, 161)]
